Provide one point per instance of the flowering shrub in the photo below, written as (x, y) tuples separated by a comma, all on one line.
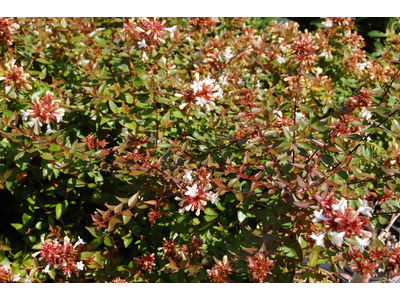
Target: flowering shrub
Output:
[(196, 150)]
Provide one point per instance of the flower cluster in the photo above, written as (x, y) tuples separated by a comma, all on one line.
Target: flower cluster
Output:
[(260, 266), (7, 28), (146, 262), (44, 111), (202, 93), (61, 256), (220, 271), (15, 76)]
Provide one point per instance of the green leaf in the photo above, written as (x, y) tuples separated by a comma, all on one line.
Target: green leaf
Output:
[(74, 147), (47, 156), (376, 33), (367, 153), (61, 208), (210, 212), (113, 106), (132, 200), (314, 255), (327, 159), (64, 23), (289, 252)]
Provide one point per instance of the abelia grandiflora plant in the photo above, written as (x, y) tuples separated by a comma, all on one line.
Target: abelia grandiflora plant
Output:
[(265, 147)]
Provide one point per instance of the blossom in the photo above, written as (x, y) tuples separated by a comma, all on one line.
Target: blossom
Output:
[(188, 176), (365, 113), (301, 117), (319, 216), (24, 114), (79, 265), (16, 278), (362, 65), (361, 243), (171, 30), (213, 198), (33, 121), (324, 54), (278, 112), (47, 269), (318, 71), (337, 238), (192, 191), (142, 44), (340, 206), (49, 130), (241, 81), (223, 79), (79, 242), (319, 239), (281, 60), (227, 53), (144, 56), (328, 23), (364, 208), (27, 279), (197, 85)]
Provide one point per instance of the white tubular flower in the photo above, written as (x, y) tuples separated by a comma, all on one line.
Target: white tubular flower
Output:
[(79, 242), (24, 114), (79, 265), (328, 23), (33, 121), (213, 198), (319, 216), (365, 113), (188, 176), (27, 279), (319, 239), (223, 79), (362, 243), (49, 130), (278, 112), (171, 30), (318, 71), (302, 118), (340, 206), (324, 54), (364, 208), (362, 66), (47, 269), (144, 56), (281, 60), (201, 101), (192, 190), (197, 85), (142, 44), (241, 81), (337, 238), (227, 53), (16, 278)]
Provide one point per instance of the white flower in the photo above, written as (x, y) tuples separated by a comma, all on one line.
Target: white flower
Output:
[(337, 238), (16, 278), (49, 130), (79, 242), (183, 105), (324, 54), (27, 279), (188, 176), (361, 243), (340, 206), (197, 85), (33, 121), (144, 56), (59, 113), (362, 66), (318, 71), (188, 38), (201, 101), (219, 94), (258, 84), (227, 53), (364, 208), (24, 114), (241, 81), (328, 23), (281, 59), (319, 239), (192, 191), (47, 269), (213, 198), (278, 112), (142, 44), (223, 79), (79, 265), (365, 113), (171, 30), (301, 117), (319, 216)]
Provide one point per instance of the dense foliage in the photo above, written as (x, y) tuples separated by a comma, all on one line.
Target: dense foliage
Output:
[(196, 150)]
